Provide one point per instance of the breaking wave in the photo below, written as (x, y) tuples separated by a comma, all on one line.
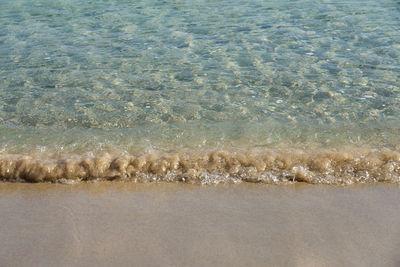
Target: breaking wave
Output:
[(316, 166)]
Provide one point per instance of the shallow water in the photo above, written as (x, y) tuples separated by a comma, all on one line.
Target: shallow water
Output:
[(195, 78)]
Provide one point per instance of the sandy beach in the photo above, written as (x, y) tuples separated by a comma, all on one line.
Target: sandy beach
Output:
[(161, 224), (200, 133)]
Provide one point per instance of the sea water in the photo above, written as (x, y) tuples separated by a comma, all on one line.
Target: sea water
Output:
[(201, 91)]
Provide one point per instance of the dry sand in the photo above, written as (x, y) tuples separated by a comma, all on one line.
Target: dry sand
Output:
[(127, 224)]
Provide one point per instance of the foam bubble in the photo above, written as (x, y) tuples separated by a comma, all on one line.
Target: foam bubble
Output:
[(347, 165)]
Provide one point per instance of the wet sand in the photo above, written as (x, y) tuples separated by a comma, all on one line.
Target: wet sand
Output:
[(161, 224)]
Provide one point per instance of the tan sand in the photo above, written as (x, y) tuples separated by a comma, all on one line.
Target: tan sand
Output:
[(127, 224)]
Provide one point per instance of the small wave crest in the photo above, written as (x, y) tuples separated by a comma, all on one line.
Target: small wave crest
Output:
[(318, 166)]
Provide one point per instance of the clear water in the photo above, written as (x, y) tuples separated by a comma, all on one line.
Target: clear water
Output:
[(132, 77)]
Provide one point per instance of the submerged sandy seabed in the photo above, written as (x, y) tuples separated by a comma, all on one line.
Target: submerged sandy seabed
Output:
[(125, 224)]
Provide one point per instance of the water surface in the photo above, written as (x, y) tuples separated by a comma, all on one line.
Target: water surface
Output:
[(107, 81)]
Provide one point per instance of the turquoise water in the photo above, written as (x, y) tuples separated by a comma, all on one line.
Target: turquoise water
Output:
[(122, 77)]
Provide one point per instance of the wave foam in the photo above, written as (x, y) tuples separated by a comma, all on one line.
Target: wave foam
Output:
[(323, 166)]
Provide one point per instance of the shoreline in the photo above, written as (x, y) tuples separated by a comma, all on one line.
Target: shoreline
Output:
[(342, 166)]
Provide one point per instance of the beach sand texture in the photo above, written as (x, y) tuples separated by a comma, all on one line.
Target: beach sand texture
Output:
[(168, 224)]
